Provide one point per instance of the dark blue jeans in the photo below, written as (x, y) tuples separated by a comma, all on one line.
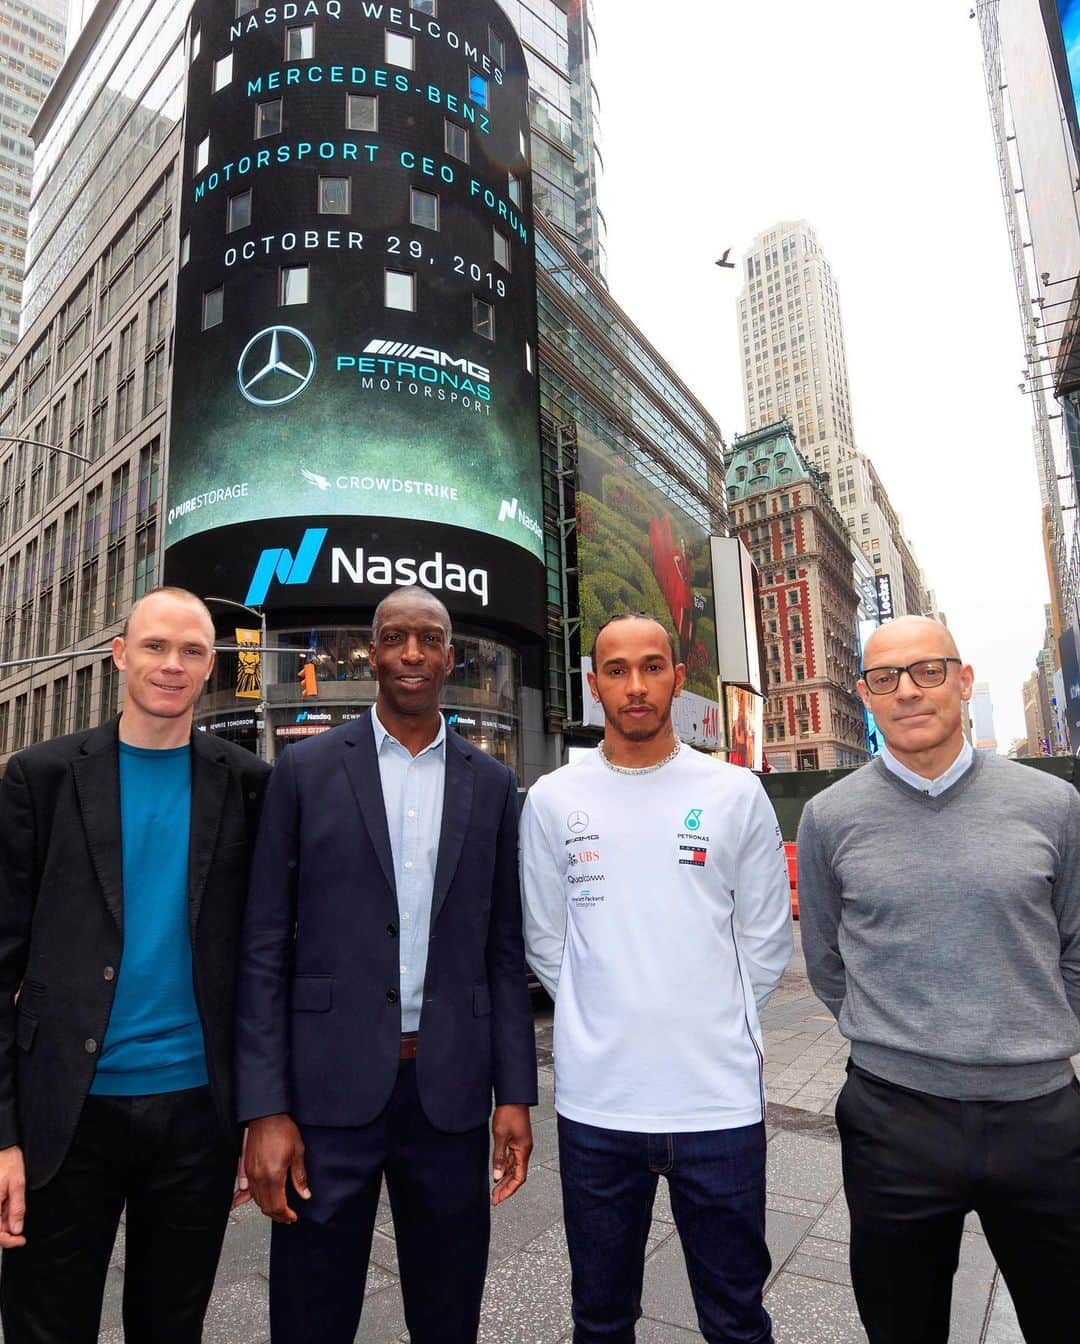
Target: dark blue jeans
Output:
[(717, 1184)]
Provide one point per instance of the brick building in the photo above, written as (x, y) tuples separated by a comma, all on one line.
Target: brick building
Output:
[(780, 508)]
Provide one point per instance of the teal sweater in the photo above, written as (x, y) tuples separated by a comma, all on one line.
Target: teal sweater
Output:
[(944, 933)]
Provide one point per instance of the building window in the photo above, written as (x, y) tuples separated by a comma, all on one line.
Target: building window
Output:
[(18, 740), (154, 369), (300, 43), (478, 88), (223, 73), (213, 308), (59, 707), (145, 558), (185, 250), (502, 249), (269, 118), (196, 47), (83, 683), (456, 140), (483, 318), (99, 415), (114, 575), (292, 285), (110, 683), (246, 7), (424, 209), (238, 215), (401, 290), (496, 47), (400, 50), (361, 112), (530, 359), (202, 156), (334, 195), (800, 672), (424, 7)]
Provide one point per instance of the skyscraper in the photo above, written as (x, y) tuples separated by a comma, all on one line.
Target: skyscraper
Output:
[(31, 51), (792, 340), (794, 366)]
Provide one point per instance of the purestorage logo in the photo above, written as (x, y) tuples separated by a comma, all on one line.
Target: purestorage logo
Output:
[(511, 511), (363, 568), (280, 564)]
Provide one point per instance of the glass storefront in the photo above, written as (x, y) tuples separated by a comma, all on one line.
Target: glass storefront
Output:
[(480, 700)]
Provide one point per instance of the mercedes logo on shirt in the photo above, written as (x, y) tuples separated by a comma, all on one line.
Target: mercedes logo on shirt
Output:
[(276, 365), (578, 822)]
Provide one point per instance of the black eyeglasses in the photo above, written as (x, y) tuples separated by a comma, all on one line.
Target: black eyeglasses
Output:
[(926, 673)]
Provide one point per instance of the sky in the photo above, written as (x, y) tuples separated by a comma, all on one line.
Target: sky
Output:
[(871, 122)]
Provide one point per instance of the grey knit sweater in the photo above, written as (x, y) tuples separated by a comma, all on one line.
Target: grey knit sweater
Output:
[(944, 933)]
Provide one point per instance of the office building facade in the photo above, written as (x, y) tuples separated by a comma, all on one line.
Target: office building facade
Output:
[(31, 52), (1034, 122), (780, 509)]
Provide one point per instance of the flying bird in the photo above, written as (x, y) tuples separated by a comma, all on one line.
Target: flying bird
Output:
[(729, 265)]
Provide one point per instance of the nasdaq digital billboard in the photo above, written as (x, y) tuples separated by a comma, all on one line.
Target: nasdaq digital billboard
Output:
[(355, 348)]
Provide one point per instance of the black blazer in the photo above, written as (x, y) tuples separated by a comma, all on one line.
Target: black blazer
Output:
[(62, 914), (318, 1011)]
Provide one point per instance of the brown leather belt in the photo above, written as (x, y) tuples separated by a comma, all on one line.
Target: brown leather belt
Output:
[(408, 1045)]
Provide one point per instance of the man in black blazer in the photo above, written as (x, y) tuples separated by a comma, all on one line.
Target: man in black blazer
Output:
[(124, 857), (382, 1001)]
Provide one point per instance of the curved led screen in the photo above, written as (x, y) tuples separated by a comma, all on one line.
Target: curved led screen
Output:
[(355, 349)]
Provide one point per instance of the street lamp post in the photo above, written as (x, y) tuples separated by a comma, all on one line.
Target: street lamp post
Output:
[(260, 616)]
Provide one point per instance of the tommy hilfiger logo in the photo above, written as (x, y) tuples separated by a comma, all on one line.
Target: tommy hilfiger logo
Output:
[(693, 855)]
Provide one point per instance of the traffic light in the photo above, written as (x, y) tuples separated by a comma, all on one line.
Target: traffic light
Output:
[(308, 684)]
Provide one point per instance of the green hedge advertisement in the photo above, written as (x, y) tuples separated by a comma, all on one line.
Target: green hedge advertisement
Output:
[(637, 551)]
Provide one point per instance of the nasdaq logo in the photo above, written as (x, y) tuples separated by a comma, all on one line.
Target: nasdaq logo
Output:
[(278, 563)]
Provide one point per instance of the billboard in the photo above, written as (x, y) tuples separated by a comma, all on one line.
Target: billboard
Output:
[(1069, 653), (638, 551), (746, 718), (736, 594), (355, 345), (1062, 20)]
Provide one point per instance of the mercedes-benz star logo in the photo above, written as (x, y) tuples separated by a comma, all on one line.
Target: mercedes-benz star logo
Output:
[(578, 822), (263, 365)]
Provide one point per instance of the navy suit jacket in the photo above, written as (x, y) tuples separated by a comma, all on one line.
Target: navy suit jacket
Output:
[(318, 995)]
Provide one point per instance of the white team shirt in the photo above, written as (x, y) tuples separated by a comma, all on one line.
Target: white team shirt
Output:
[(658, 917)]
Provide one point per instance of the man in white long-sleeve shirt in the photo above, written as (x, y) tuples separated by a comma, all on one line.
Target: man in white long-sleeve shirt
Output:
[(657, 915)]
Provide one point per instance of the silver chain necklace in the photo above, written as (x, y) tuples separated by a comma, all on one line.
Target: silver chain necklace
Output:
[(638, 769)]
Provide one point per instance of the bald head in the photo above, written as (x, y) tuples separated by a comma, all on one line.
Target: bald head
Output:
[(409, 597), (932, 638)]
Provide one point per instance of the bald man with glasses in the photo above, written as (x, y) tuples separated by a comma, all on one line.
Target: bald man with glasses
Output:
[(939, 893)]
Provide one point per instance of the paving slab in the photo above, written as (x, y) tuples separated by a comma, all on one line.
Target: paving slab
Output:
[(813, 1311)]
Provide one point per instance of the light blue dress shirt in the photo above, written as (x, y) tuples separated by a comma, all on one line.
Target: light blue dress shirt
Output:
[(412, 790), (931, 786)]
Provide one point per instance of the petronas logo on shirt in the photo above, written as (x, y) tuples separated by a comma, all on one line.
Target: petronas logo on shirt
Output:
[(692, 821)]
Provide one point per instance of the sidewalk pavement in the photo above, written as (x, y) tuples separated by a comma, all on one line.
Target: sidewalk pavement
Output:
[(528, 1289)]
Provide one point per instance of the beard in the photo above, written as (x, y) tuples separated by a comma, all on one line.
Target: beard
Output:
[(644, 732)]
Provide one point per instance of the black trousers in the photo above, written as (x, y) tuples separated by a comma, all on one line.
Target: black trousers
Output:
[(915, 1165), (440, 1201), (168, 1160)]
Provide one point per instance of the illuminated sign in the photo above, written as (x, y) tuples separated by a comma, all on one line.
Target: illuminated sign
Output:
[(883, 588), (1062, 21), (356, 306)]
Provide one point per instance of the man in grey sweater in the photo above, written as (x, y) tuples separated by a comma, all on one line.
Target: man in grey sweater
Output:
[(939, 894)]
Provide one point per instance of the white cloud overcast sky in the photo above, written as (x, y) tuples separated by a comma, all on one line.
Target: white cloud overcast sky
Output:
[(870, 121)]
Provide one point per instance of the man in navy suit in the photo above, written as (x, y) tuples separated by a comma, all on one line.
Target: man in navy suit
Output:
[(383, 1000)]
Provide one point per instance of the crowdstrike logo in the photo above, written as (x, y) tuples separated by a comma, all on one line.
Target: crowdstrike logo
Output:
[(402, 350), (278, 563), (275, 366)]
